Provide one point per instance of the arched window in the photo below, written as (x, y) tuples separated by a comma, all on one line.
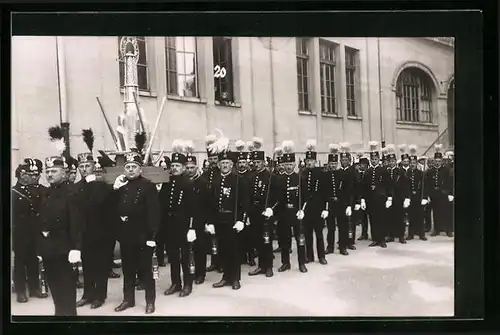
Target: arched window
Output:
[(414, 96)]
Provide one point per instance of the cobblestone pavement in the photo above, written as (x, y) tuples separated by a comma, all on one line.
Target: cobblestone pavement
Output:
[(415, 279)]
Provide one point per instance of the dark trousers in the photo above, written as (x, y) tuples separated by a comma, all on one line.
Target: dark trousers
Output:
[(161, 245), (201, 247), (178, 255), (262, 226), (314, 225), (62, 286), (440, 209), (25, 269), (416, 216), (361, 216), (331, 224), (137, 258), (337, 213), (428, 217), (95, 270), (289, 220), (112, 254), (229, 253), (375, 204), (283, 230), (395, 219), (248, 242)]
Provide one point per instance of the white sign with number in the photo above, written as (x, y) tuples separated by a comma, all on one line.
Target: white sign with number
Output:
[(219, 72)]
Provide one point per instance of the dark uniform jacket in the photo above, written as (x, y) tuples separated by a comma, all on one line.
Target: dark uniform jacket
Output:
[(177, 205), (415, 181), (288, 194), (209, 176), (25, 213), (339, 187), (438, 181), (138, 205), (94, 201), (223, 197), (200, 202), (358, 190), (60, 225), (311, 188), (397, 184), (374, 182), (258, 191)]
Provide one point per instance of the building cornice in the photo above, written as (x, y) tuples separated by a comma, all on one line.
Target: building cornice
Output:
[(448, 41)]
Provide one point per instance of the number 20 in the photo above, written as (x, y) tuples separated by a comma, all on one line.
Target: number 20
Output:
[(220, 72)]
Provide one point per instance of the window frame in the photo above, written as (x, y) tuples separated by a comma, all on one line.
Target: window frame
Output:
[(141, 40), (303, 77), (351, 56), (172, 88), (414, 90), (228, 63), (328, 65)]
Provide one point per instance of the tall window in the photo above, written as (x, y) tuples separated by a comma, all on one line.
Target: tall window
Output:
[(327, 77), (223, 70), (350, 75), (303, 73), (182, 74), (414, 96), (142, 67)]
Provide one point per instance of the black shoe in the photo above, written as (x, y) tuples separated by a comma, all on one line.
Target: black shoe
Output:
[(256, 272), (323, 261), (211, 268), (38, 294), (402, 240), (174, 288), (97, 304), (186, 291), (162, 264), (236, 285), (383, 245), (269, 273), (83, 302), (222, 283), (423, 238), (410, 237), (277, 249), (373, 244), (329, 250), (362, 238), (302, 268), (199, 280), (140, 287), (344, 252), (434, 233), (113, 275), (390, 239), (22, 298), (449, 234), (251, 262), (150, 308), (351, 247), (284, 268), (123, 306)]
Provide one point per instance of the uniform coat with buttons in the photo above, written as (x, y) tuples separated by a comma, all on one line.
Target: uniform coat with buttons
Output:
[(25, 213), (438, 186), (397, 188), (416, 210), (360, 215), (199, 209), (59, 231), (138, 210), (249, 235)]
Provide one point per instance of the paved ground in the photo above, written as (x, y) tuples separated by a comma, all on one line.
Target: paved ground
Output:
[(415, 279)]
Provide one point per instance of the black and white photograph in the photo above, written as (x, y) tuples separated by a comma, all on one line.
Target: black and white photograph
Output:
[(232, 176)]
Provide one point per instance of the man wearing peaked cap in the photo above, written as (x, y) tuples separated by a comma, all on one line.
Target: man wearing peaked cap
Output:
[(398, 197), (98, 237), (138, 216), (405, 158), (228, 214), (330, 180), (361, 215), (25, 216), (373, 196), (315, 213), (418, 198), (438, 184), (177, 196)]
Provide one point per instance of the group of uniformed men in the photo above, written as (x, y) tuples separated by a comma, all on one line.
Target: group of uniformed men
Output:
[(228, 211)]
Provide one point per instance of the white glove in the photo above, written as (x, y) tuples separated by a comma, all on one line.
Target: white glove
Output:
[(388, 203), (450, 198), (300, 214), (191, 235), (357, 207), (239, 226), (363, 204), (348, 211), (90, 178), (119, 182), (324, 214), (268, 212), (74, 256), (39, 258), (247, 222), (406, 203), (424, 202), (151, 244), (210, 229)]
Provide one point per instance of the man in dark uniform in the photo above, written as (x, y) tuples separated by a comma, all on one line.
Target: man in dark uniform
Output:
[(139, 214), (161, 238), (373, 197), (424, 165), (281, 227), (25, 215), (209, 176), (260, 193), (439, 190), (418, 201), (315, 213), (248, 235), (224, 222), (398, 197), (361, 215), (178, 204), (331, 190), (289, 209), (59, 237), (94, 199)]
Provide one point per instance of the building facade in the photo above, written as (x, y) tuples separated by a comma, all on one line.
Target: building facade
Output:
[(395, 90)]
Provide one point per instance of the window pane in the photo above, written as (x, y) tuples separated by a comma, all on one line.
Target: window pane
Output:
[(172, 60), (189, 63), (187, 86), (190, 44), (172, 83), (142, 51), (142, 77), (181, 63), (121, 74)]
